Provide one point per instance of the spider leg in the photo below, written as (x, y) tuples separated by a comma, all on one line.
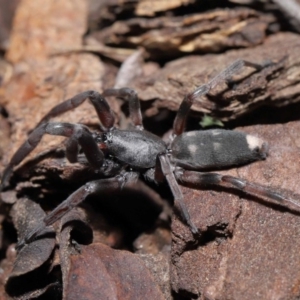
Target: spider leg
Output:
[(133, 101), (200, 180), (130, 179), (166, 169), (72, 149), (187, 102), (105, 114), (72, 201), (77, 134)]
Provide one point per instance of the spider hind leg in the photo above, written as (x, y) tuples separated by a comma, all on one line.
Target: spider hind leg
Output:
[(200, 180)]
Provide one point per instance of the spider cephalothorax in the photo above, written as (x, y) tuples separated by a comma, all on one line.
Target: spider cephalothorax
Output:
[(185, 157)]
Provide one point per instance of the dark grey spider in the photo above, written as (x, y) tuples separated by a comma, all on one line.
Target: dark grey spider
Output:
[(138, 152)]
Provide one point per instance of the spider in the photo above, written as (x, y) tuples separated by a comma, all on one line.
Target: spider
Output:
[(124, 155)]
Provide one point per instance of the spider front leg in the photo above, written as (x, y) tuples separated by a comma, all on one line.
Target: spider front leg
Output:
[(187, 102), (134, 104), (72, 201), (128, 179), (199, 180), (77, 133), (105, 114)]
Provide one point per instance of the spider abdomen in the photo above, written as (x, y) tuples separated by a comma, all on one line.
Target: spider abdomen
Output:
[(134, 147), (216, 149)]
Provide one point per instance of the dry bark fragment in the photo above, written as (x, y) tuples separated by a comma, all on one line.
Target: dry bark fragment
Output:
[(26, 216), (149, 8), (101, 12), (38, 29), (211, 31), (33, 257), (276, 85), (99, 272)]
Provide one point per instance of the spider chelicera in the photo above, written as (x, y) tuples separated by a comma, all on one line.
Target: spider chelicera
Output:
[(184, 158)]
